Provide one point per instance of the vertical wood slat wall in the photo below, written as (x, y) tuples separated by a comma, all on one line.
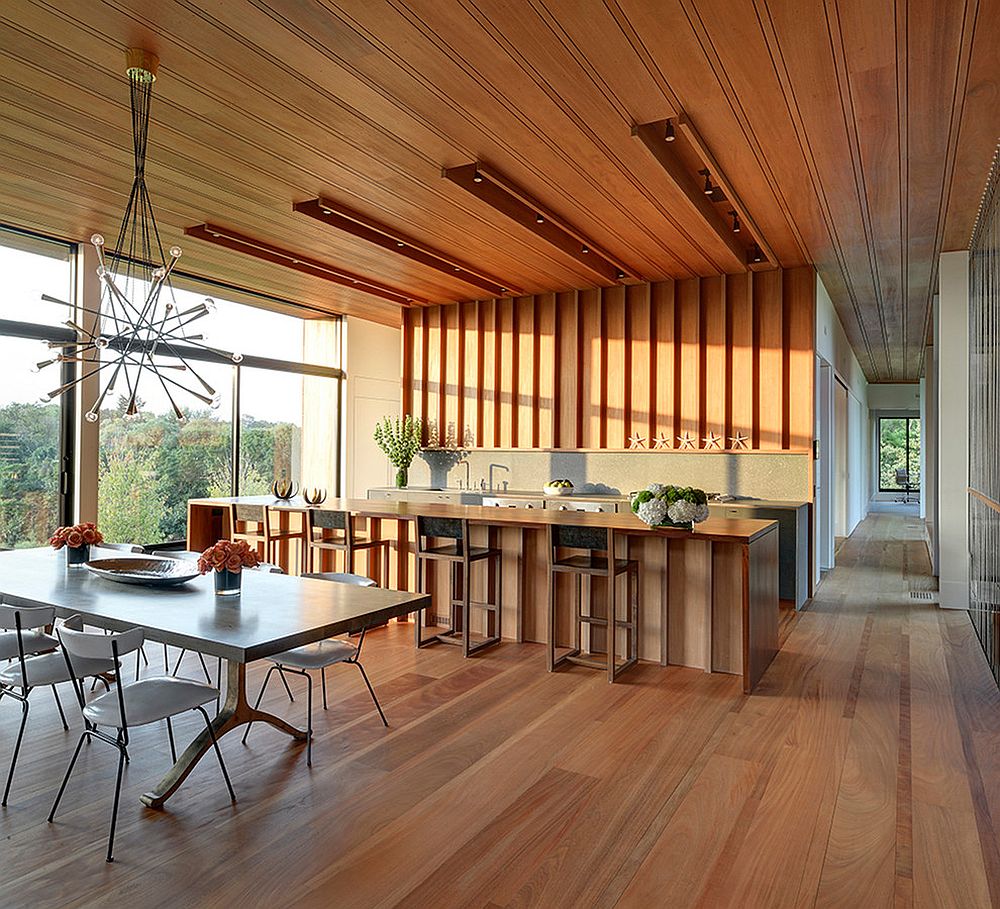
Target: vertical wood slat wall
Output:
[(590, 369)]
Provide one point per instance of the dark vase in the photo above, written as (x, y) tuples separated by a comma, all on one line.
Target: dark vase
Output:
[(227, 583), (78, 556), (401, 477)]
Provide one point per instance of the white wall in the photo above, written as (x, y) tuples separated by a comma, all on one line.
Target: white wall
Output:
[(372, 361), (952, 343), (834, 351)]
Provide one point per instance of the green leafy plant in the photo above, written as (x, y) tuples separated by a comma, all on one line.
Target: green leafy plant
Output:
[(399, 438)]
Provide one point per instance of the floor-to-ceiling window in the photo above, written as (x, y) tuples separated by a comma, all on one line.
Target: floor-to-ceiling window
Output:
[(36, 476), (898, 454), (150, 463)]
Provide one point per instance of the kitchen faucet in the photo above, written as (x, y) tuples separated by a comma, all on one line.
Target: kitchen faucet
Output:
[(468, 475), (499, 467)]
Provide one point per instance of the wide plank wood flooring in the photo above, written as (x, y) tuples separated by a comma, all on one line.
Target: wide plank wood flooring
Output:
[(864, 772)]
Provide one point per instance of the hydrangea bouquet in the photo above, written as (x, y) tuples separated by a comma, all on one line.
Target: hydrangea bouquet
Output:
[(670, 506)]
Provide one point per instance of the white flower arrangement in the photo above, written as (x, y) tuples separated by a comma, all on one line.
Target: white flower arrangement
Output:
[(661, 505)]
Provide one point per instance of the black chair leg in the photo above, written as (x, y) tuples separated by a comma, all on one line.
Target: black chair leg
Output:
[(170, 736), (218, 753), (62, 716), (371, 691), (114, 808), (72, 763), (17, 748), (322, 675), (260, 696), (309, 729), (284, 682)]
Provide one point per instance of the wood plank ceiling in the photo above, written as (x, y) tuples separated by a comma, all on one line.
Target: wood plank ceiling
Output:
[(857, 134)]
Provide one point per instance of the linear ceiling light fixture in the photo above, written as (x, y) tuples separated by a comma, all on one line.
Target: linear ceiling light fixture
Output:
[(506, 197), (137, 319), (230, 239), (345, 219), (674, 145)]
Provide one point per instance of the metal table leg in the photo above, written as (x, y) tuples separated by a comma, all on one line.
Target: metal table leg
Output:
[(236, 711)]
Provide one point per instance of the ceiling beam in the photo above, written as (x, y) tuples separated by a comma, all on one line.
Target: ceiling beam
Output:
[(690, 132), (345, 219), (506, 197), (230, 239), (653, 136)]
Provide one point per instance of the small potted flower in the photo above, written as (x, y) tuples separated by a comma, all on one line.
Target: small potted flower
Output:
[(77, 541), (400, 440), (660, 505), (227, 560)]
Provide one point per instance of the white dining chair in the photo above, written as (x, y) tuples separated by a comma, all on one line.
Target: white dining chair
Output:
[(31, 671), (134, 548), (320, 655), (134, 704)]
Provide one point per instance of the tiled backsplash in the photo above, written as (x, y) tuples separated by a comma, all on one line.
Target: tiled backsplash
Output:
[(763, 475)]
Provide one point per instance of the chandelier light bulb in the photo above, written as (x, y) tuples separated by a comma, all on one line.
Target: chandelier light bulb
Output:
[(97, 240), (90, 416), (237, 358), (101, 271), (159, 273), (210, 306), (215, 403), (101, 342), (44, 399), (175, 252)]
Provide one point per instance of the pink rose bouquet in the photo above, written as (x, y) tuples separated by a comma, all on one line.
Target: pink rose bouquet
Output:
[(85, 534), (228, 556)]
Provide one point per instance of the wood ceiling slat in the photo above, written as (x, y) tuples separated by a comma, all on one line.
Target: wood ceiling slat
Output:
[(857, 137)]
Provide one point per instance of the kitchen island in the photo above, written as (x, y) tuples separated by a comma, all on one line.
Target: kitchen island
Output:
[(709, 596)]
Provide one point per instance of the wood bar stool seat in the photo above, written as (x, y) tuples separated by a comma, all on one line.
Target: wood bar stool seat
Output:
[(597, 560), (461, 555), (335, 531), (253, 524)]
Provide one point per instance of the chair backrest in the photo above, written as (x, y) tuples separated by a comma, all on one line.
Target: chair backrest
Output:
[(185, 554), (341, 577), (902, 475), (269, 568), (573, 536), (123, 547), (87, 645), (324, 519), (25, 617), (242, 514)]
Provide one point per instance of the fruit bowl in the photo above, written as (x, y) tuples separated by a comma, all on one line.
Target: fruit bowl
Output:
[(551, 490)]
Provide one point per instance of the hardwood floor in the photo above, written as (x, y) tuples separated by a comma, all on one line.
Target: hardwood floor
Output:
[(864, 772)]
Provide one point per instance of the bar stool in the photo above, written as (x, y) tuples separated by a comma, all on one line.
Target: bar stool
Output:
[(596, 561), (334, 531), (241, 516), (461, 555)]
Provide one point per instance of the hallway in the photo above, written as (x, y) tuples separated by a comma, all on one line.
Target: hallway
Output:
[(904, 717)]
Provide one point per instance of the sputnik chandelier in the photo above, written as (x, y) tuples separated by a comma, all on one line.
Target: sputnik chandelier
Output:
[(138, 319)]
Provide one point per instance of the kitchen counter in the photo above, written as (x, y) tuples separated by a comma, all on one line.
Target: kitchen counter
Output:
[(709, 595)]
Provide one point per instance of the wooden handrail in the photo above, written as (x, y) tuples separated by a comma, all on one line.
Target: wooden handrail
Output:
[(986, 500)]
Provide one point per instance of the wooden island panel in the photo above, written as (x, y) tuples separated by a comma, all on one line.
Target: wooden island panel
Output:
[(709, 598)]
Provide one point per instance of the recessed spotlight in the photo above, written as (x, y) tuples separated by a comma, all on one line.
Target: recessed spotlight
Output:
[(736, 222), (326, 211), (400, 243), (477, 177), (539, 219), (668, 132), (708, 189), (585, 249), (619, 275)]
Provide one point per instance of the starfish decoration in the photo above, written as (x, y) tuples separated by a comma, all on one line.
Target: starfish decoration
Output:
[(636, 441), (739, 441), (661, 441), (687, 440), (712, 441)]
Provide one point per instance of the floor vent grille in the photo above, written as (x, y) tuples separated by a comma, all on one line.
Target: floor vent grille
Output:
[(925, 596)]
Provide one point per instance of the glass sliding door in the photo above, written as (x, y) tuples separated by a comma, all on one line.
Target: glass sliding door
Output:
[(899, 454), (36, 456)]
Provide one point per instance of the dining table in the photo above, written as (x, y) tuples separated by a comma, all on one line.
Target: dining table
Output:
[(273, 613)]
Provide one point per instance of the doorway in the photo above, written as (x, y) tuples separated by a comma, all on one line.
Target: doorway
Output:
[(841, 470)]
